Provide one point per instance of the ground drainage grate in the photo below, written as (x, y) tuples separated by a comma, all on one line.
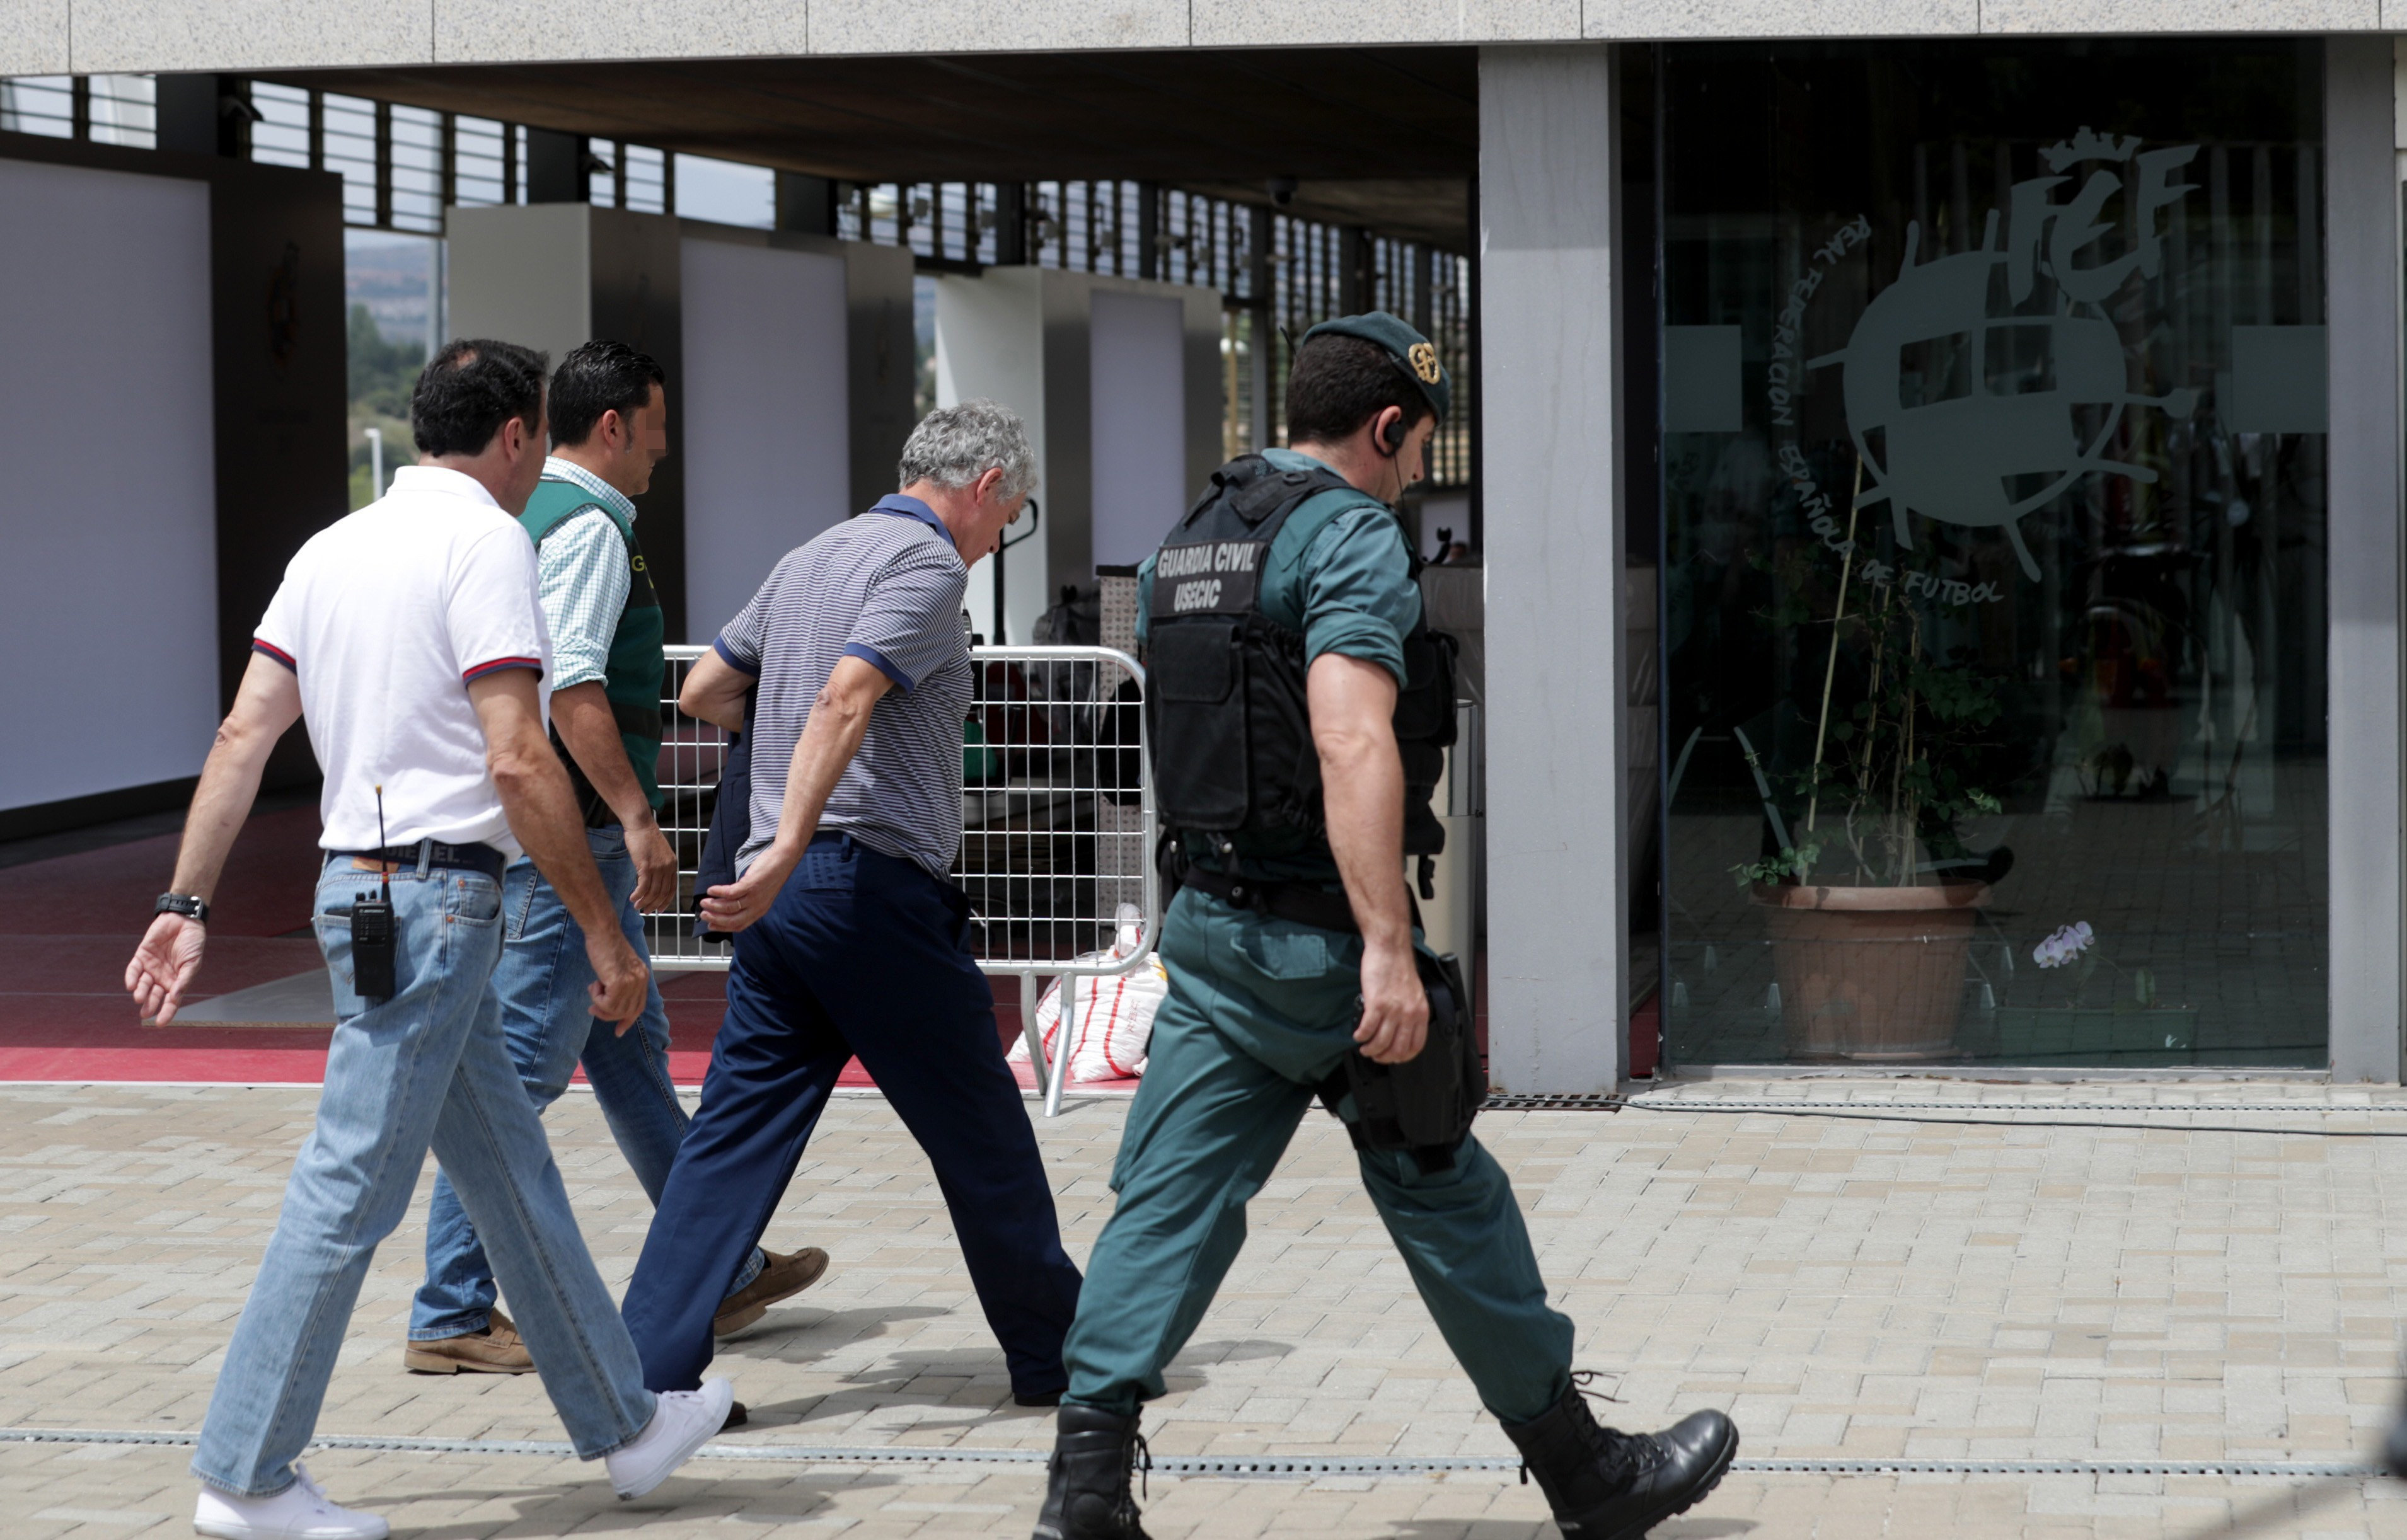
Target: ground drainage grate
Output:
[(1645, 1102), (1506, 1101), (1248, 1467)]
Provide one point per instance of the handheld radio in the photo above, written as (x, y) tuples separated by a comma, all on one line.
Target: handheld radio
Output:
[(372, 930)]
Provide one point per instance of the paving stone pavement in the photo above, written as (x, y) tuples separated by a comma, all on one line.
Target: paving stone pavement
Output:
[(1845, 1287)]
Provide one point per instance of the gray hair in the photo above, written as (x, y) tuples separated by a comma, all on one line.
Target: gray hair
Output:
[(954, 446)]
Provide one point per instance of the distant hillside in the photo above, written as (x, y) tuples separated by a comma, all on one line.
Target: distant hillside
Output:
[(394, 285)]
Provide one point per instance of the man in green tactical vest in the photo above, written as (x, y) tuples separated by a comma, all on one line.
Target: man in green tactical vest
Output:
[(1298, 714), (609, 427)]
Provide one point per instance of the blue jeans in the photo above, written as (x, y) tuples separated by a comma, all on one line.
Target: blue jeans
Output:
[(425, 1068), (547, 1022), (863, 954)]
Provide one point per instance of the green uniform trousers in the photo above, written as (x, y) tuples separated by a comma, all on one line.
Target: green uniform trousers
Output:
[(1259, 1012)]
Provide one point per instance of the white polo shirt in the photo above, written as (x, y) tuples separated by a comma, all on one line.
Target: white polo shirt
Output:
[(384, 617)]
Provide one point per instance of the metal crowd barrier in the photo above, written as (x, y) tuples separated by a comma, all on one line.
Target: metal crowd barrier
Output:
[(1056, 825)]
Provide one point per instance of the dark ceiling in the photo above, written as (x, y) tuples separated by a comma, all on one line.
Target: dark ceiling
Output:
[(1388, 136)]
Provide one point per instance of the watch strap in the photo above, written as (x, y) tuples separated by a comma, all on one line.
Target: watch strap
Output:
[(183, 904)]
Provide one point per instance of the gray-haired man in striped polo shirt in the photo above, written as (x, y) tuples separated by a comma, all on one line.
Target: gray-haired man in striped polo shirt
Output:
[(850, 939)]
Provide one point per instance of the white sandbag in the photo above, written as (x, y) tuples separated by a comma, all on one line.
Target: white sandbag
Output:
[(1115, 1015)]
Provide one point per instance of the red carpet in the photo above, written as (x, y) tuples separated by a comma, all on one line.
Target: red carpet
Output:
[(265, 891), (86, 1035), (68, 925)]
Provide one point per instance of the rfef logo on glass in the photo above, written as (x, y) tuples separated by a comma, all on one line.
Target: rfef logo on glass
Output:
[(1981, 386)]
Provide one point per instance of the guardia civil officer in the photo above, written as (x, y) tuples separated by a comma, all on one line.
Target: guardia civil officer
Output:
[(1299, 714), (609, 428)]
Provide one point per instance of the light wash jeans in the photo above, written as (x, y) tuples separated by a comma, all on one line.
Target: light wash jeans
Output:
[(548, 1021), (425, 1068)]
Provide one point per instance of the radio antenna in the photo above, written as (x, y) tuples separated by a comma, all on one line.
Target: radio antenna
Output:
[(384, 867)]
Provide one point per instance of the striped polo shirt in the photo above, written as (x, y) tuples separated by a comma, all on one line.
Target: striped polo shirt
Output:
[(885, 587)]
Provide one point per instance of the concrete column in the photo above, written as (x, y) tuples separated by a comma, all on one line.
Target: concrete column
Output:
[(1148, 230), (1558, 949), (555, 167), (1353, 284), (2361, 221), (204, 115), (805, 204), (1010, 224), (1262, 354)]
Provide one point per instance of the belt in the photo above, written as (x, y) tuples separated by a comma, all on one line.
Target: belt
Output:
[(435, 853), (1302, 902)]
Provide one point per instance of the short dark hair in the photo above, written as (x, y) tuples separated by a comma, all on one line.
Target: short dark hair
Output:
[(469, 390), (597, 378), (1339, 382)]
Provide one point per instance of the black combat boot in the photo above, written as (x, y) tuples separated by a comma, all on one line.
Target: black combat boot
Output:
[(1087, 1482), (1608, 1485)]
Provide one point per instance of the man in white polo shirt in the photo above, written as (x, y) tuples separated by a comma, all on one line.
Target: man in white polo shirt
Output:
[(409, 637)]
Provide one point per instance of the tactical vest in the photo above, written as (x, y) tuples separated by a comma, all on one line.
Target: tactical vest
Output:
[(637, 668), (1226, 712)]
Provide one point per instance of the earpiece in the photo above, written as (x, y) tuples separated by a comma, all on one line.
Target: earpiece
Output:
[(1393, 436)]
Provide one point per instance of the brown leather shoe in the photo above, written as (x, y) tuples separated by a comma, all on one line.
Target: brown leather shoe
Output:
[(780, 1278), (495, 1350)]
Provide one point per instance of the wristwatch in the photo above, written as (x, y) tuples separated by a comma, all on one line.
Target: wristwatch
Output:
[(184, 904)]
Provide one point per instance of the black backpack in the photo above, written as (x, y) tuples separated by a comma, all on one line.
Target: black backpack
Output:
[(731, 823)]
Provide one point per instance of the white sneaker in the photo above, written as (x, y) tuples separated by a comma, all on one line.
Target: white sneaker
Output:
[(683, 1421), (301, 1511)]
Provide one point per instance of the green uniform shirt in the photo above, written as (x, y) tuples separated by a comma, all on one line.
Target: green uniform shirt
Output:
[(637, 668), (1345, 583)]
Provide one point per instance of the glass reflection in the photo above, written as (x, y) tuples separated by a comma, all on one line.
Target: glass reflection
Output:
[(1993, 554)]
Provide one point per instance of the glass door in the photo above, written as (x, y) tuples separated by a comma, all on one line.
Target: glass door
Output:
[(1993, 556)]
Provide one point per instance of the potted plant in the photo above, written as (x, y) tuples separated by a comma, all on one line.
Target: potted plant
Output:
[(1871, 903)]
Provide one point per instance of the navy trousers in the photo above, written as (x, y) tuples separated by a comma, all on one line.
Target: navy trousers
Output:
[(863, 954)]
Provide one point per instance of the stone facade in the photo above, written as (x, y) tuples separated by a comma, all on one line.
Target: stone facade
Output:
[(59, 36)]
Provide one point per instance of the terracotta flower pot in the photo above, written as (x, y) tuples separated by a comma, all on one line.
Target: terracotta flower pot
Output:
[(1870, 975)]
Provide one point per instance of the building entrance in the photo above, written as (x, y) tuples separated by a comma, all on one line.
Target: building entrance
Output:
[(1993, 568)]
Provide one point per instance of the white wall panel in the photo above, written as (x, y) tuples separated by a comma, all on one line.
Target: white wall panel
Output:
[(1140, 408), (990, 344), (1138, 379), (107, 507), (768, 438), (523, 273)]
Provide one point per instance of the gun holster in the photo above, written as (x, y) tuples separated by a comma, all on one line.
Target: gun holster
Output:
[(1425, 1104)]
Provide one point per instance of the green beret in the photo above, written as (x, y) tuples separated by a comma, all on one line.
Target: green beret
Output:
[(1413, 353)]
